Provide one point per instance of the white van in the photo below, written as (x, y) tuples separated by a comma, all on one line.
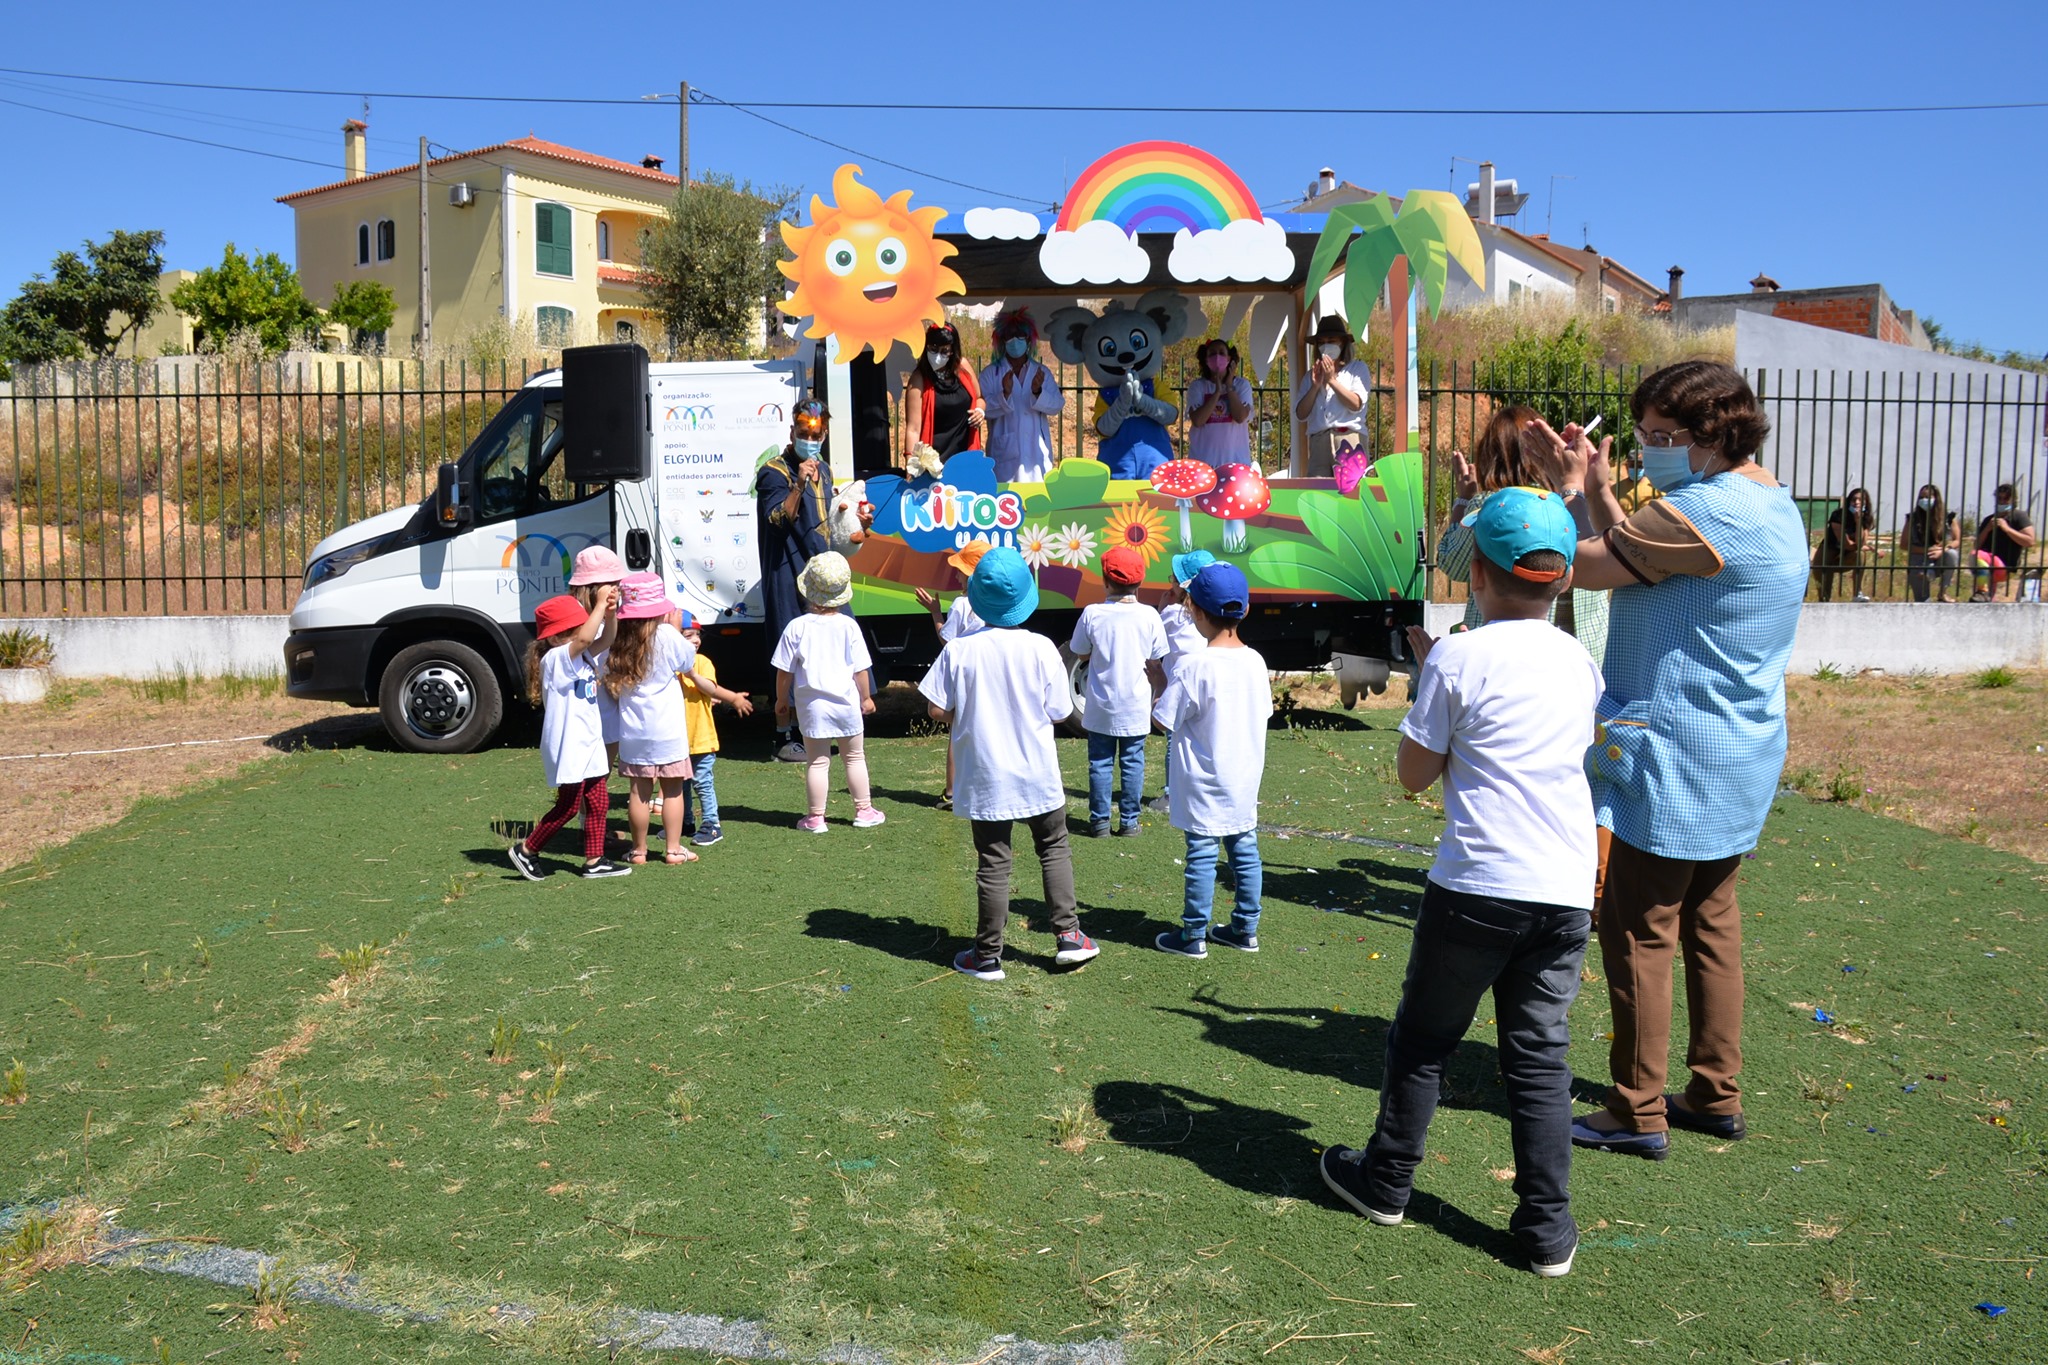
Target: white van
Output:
[(426, 612)]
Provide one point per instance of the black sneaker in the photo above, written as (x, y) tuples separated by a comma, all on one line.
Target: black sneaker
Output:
[(1129, 829), (1097, 831), (1343, 1171), (605, 867), (1559, 1265), (689, 828), (1230, 936), (1074, 949), (1172, 942), (527, 863), (1731, 1127), (707, 835)]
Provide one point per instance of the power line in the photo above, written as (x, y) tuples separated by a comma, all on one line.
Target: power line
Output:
[(175, 137), (1785, 111)]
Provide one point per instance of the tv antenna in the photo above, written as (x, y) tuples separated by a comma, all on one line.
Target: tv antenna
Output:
[(1550, 200)]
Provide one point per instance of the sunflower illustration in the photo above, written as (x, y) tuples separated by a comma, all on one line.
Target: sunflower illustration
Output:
[(1137, 527)]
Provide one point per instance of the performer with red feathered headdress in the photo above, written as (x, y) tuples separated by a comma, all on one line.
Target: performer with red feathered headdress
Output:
[(1021, 393)]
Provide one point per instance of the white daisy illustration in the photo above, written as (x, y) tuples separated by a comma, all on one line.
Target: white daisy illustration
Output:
[(1035, 543), (1074, 546)]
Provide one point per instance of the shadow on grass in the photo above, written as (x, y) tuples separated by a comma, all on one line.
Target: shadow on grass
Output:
[(356, 730), (913, 940), (1352, 884), (1317, 720), (1261, 1151)]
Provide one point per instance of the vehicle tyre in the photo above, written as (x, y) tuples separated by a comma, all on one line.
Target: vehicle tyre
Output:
[(1077, 683), (440, 697)]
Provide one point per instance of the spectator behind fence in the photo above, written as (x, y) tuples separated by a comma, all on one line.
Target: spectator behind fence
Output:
[(1219, 405), (1330, 399), (1708, 584), (2003, 539), (942, 405), (1931, 535), (1845, 545)]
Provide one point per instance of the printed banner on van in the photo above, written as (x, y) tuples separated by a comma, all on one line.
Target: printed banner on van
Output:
[(712, 426)]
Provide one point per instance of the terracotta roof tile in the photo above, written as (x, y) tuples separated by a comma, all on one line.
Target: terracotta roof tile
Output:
[(610, 273), (533, 146)]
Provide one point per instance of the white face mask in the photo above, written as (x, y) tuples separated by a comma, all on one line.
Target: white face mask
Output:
[(938, 360), (1668, 468), (1329, 350), (1926, 504)]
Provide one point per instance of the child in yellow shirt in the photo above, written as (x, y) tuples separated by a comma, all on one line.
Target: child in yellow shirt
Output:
[(703, 731)]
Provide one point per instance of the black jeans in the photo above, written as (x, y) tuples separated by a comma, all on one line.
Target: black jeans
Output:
[(992, 876), (1528, 955)]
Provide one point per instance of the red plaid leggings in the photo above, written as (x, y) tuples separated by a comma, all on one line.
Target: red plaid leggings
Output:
[(594, 798)]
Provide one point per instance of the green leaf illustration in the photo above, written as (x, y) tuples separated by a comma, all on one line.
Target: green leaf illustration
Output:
[(1346, 531), (1291, 564), (1076, 483)]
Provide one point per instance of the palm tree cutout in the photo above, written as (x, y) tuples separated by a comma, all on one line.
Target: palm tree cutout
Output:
[(1431, 230)]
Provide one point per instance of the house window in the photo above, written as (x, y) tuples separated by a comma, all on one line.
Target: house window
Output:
[(362, 244), (387, 239), (552, 326), (551, 248), (604, 240), (624, 331), (1515, 291)]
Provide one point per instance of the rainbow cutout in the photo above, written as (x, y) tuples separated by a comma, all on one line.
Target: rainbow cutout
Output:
[(1157, 187)]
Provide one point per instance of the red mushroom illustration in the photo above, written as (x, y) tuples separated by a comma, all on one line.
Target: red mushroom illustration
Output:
[(1184, 481), (1240, 493)]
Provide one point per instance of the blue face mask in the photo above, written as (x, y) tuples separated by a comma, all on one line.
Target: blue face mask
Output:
[(1016, 348), (808, 450), (1668, 468)]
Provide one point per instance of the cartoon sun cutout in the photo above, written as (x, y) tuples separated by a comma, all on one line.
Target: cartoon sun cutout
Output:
[(868, 270)]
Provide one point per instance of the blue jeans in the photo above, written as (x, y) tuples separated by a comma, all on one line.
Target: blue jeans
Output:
[(1125, 754), (1247, 878), (702, 766), (1528, 955)]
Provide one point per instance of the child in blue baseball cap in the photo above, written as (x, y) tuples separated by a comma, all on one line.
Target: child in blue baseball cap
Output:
[(1504, 715), (1216, 708), (1000, 690)]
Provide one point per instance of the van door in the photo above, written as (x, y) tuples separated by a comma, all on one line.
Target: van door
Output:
[(530, 522)]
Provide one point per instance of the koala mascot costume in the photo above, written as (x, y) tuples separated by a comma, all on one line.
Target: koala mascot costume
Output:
[(1124, 349)]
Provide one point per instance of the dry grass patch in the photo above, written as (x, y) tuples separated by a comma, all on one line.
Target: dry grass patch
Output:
[(1946, 754)]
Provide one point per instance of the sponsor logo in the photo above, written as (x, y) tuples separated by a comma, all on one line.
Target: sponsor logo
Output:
[(693, 459), (688, 416), (707, 514), (539, 563)]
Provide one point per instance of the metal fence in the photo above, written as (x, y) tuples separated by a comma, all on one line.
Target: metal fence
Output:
[(183, 488), (191, 488)]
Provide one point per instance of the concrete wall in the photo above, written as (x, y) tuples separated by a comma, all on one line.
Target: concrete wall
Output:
[(1896, 637)]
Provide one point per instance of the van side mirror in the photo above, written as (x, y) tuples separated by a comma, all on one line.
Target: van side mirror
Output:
[(639, 549), (449, 508)]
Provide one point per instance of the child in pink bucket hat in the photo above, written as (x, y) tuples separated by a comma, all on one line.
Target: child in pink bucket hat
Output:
[(597, 567)]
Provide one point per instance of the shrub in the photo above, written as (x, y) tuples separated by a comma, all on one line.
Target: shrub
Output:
[(24, 648)]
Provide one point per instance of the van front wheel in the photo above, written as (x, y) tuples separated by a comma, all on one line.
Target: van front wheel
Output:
[(440, 698)]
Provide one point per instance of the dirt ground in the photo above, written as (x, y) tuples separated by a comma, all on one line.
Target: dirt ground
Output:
[(1944, 753), (50, 800)]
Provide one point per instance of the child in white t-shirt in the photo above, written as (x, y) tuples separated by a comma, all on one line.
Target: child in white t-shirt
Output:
[(1122, 641), (596, 568), (1181, 637), (1216, 709), (1001, 689), (642, 671), (561, 679), (1504, 715), (822, 678), (958, 620)]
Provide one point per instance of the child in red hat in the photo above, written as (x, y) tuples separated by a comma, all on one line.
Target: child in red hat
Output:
[(1122, 641), (561, 679)]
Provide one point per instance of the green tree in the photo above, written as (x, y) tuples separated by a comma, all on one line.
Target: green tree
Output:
[(67, 315), (364, 307), (261, 296), (711, 263)]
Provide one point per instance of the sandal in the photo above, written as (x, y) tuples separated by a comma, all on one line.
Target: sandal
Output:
[(679, 855), (638, 855)]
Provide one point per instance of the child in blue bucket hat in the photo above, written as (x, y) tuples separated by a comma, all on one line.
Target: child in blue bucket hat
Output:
[(1504, 715), (1001, 690)]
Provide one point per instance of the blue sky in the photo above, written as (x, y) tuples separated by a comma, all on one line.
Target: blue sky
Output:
[(1946, 210)]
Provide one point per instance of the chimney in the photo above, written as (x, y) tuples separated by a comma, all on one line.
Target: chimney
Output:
[(355, 156), (1486, 192), (650, 162), (1326, 180), (1677, 274), (1763, 284)]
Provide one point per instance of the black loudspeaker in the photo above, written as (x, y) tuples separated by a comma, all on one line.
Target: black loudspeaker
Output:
[(607, 414)]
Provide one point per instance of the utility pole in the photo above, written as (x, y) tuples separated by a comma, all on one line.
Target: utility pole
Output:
[(426, 280), (683, 136)]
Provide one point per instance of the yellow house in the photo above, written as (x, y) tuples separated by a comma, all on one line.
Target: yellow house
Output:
[(529, 232)]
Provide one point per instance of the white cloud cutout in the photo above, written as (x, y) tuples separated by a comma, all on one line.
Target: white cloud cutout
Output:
[(1002, 225), (1097, 252), (1244, 249)]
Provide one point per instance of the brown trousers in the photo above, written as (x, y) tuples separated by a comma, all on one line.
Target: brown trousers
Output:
[(1652, 907)]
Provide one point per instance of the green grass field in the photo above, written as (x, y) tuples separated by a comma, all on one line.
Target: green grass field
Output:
[(751, 1088)]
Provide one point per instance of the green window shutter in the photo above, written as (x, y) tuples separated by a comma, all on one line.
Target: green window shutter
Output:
[(551, 243), (552, 326)]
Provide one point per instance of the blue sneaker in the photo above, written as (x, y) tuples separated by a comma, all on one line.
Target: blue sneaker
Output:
[(1230, 936), (707, 835), (1655, 1146), (1172, 942)]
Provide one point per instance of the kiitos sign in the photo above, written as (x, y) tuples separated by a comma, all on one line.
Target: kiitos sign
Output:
[(943, 507)]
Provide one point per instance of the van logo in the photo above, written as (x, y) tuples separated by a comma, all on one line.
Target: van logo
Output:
[(518, 555)]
